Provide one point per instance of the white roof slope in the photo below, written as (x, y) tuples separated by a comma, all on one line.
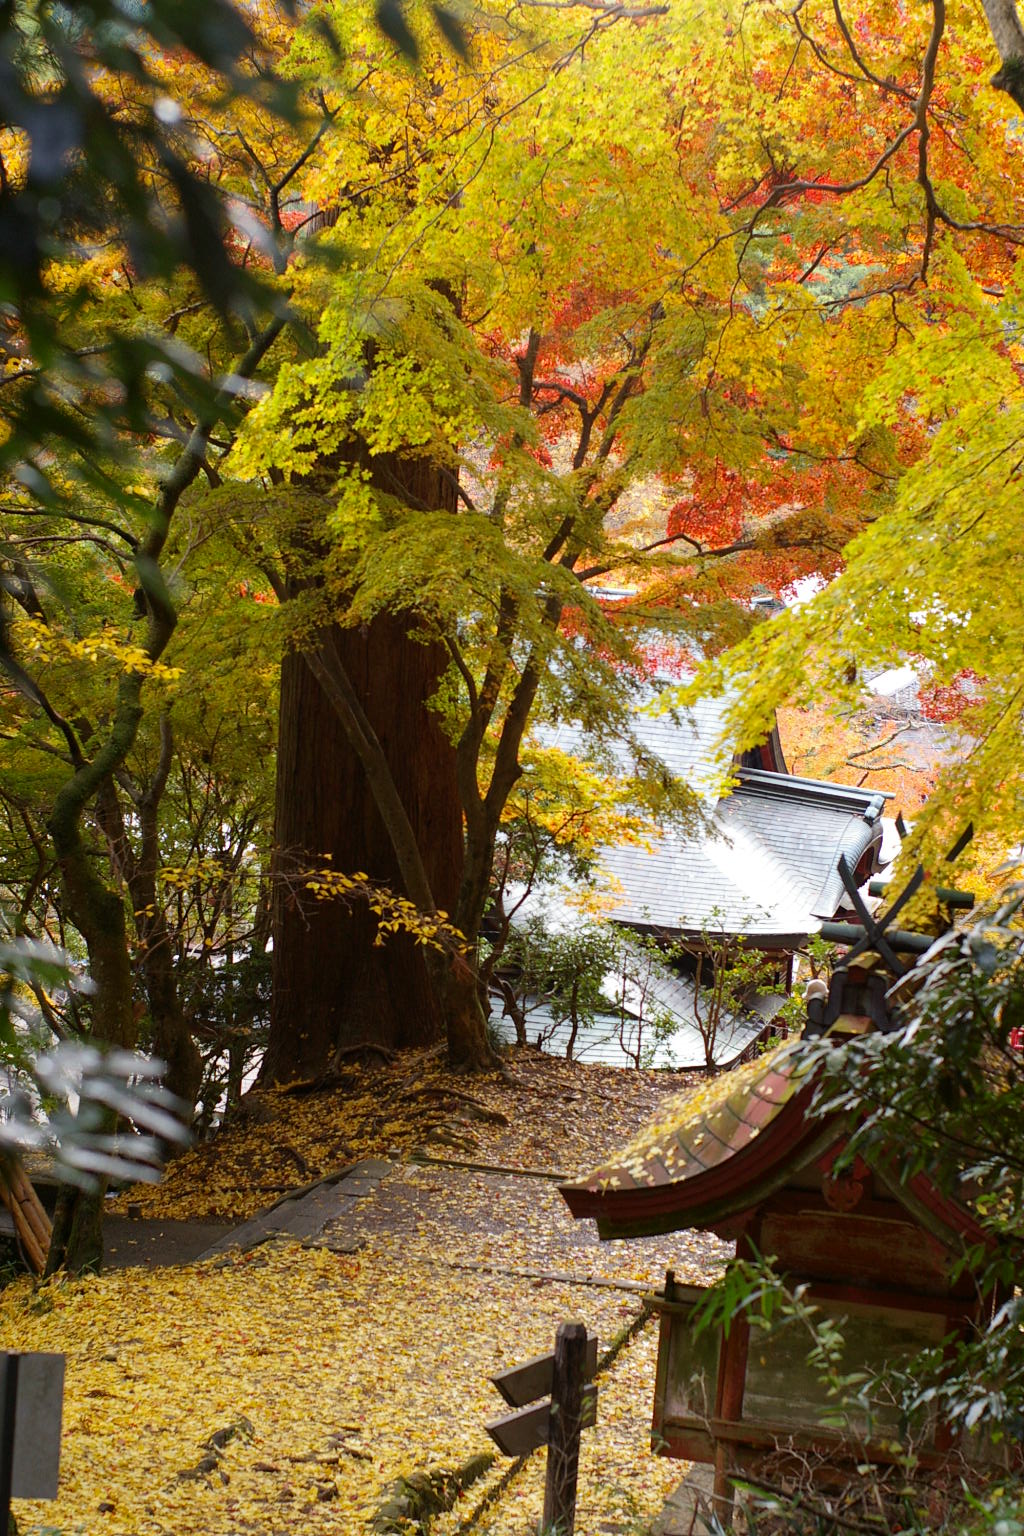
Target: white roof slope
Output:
[(687, 741), (657, 1025), (600, 1041), (768, 865)]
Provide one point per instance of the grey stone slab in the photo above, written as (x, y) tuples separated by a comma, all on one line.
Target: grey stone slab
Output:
[(249, 1234), (239, 1237), (301, 1223), (356, 1189), (340, 1243), (370, 1167), (326, 1198), (129, 1241), (341, 1202), (305, 1216), (687, 1511)]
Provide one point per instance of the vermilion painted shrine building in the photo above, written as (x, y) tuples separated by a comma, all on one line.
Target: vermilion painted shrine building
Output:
[(746, 1158)]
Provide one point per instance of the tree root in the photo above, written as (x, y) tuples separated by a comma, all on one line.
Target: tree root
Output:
[(296, 1157), (472, 1106), (450, 1137), (410, 1502)]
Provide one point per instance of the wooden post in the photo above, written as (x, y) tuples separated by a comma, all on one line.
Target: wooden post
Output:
[(9, 1390), (564, 1436), (732, 1380)]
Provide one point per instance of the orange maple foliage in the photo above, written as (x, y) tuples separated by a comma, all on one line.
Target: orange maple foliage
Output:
[(897, 754)]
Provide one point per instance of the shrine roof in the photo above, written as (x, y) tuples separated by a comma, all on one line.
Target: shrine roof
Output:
[(699, 1130), (767, 861), (653, 1013), (710, 1155), (714, 1155), (690, 742), (768, 865)]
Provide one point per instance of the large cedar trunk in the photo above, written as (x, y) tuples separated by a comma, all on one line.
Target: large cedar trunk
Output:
[(332, 986)]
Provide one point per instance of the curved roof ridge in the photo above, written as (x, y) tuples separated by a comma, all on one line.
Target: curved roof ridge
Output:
[(870, 803)]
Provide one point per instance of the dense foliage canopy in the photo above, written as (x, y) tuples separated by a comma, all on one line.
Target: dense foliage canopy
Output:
[(659, 331)]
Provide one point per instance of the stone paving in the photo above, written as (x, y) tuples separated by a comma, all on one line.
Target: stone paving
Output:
[(689, 1510), (511, 1222), (508, 1222), (304, 1214), (130, 1241)]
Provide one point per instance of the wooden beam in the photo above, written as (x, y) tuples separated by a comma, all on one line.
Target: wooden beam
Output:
[(522, 1384), (517, 1434)]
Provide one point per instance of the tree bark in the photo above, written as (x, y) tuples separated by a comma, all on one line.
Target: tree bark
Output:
[(92, 906), (1008, 35), (170, 1037), (98, 914), (465, 1022), (333, 987)]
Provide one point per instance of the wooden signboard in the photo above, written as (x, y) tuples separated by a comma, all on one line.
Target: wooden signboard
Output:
[(565, 1375), (517, 1434), (31, 1407), (523, 1384)]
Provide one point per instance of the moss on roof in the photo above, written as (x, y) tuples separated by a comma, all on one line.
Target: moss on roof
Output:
[(699, 1130)]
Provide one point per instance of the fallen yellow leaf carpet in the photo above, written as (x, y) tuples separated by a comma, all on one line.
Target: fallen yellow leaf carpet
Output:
[(325, 1376), (283, 1390)]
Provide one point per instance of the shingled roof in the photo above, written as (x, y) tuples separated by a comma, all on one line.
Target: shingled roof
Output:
[(716, 1154), (705, 1159), (768, 863), (666, 1026)]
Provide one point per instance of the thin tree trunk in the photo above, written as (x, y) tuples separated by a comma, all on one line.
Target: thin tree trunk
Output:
[(98, 914), (469, 1047), (170, 1037), (91, 906)]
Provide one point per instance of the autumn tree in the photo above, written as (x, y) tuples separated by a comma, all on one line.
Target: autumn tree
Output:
[(913, 241), (513, 339), (615, 383), (466, 384), (115, 242)]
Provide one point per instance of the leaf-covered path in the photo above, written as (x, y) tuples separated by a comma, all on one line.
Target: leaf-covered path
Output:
[(547, 1113), (285, 1388)]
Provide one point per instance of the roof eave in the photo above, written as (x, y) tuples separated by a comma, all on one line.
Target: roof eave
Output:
[(781, 941), (714, 1194), (704, 1202), (869, 803)]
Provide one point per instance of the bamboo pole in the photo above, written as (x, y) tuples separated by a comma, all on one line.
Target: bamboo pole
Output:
[(31, 1222), (35, 1213)]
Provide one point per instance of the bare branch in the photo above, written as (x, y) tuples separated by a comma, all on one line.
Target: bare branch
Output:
[(867, 751), (76, 517), (855, 55)]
